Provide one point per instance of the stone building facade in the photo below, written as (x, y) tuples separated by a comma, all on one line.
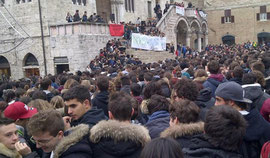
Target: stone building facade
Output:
[(70, 46), (238, 21)]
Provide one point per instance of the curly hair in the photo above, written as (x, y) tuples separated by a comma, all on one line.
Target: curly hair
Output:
[(186, 89)]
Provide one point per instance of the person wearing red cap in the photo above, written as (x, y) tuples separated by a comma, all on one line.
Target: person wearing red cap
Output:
[(10, 146), (20, 113)]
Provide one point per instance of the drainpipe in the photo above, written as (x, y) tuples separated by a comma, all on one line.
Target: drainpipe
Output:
[(42, 37)]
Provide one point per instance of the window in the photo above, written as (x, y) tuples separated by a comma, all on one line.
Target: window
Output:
[(79, 2), (263, 15), (228, 18), (129, 5)]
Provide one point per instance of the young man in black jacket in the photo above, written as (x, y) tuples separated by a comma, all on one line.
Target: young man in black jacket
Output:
[(80, 110), (47, 130), (118, 137)]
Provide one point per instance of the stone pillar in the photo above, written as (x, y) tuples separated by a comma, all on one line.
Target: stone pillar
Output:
[(205, 39), (188, 36), (199, 38)]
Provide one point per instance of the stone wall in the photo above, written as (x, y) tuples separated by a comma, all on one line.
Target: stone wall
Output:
[(245, 27)]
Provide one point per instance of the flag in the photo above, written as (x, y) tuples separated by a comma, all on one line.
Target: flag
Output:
[(116, 30)]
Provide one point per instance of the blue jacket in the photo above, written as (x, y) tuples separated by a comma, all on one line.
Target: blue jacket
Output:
[(157, 123), (213, 84)]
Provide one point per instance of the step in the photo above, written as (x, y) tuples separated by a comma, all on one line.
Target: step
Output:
[(150, 56)]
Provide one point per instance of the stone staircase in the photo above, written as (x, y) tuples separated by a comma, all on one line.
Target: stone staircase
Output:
[(150, 56)]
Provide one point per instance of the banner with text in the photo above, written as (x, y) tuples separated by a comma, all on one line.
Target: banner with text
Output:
[(180, 10), (155, 43), (116, 30)]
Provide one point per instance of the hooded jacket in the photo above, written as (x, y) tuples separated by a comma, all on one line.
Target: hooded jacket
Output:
[(205, 101), (200, 147), (7, 153), (213, 82), (91, 117), (75, 145), (255, 94), (114, 139), (101, 101), (157, 123), (183, 133)]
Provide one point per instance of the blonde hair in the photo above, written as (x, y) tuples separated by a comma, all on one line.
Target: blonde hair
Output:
[(40, 104), (57, 102), (68, 83), (86, 83)]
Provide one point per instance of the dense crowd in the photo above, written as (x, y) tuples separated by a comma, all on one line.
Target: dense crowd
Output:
[(76, 17), (215, 103)]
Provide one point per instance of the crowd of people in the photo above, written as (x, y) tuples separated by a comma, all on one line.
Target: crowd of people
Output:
[(212, 104), (76, 17)]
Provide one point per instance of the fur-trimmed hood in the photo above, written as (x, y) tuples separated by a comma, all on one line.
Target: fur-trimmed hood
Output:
[(119, 131), (144, 106), (8, 153), (76, 134), (183, 130)]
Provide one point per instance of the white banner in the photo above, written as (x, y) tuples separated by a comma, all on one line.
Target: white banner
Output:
[(180, 10), (203, 15), (155, 43)]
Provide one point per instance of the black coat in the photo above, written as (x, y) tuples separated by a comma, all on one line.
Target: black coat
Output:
[(75, 144), (257, 133), (114, 139), (199, 147), (91, 117), (101, 101), (183, 133), (205, 101)]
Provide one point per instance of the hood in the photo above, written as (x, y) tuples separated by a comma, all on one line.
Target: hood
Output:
[(91, 117), (144, 106), (119, 138), (75, 135), (103, 97), (183, 130), (8, 153), (252, 91), (205, 95), (218, 77)]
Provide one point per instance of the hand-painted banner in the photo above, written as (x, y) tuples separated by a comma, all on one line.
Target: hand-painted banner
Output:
[(116, 30), (180, 10), (148, 42)]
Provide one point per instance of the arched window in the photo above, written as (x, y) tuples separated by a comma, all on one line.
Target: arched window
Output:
[(30, 60), (263, 37), (4, 62), (228, 39)]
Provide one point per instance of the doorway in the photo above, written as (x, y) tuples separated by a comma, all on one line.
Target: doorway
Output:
[(61, 68), (32, 72), (228, 39)]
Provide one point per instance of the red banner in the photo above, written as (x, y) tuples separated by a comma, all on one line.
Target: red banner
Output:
[(116, 30)]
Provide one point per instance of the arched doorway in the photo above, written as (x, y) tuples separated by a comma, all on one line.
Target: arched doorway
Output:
[(31, 65), (195, 29), (228, 39), (182, 28), (4, 68), (104, 9), (263, 38)]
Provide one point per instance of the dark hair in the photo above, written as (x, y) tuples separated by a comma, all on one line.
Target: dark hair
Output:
[(46, 121), (187, 89), (79, 92), (213, 67), (238, 72), (152, 88), (103, 83), (135, 89), (120, 105), (125, 80), (19, 92), (225, 127), (162, 148), (8, 95), (158, 103), (148, 76), (3, 105), (44, 85), (258, 65), (39, 95), (5, 121), (249, 78), (185, 111)]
